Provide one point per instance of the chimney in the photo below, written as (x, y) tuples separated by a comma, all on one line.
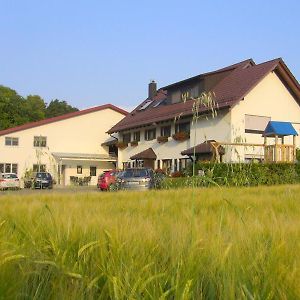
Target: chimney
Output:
[(152, 89)]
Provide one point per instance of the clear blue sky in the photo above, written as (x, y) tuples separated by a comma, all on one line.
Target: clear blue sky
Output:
[(93, 52)]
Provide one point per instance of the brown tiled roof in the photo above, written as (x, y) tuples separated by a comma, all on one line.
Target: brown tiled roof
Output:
[(203, 148), (240, 79), (146, 154), (63, 117), (242, 64)]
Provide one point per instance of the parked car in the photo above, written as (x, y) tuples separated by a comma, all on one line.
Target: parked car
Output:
[(136, 179), (42, 180), (107, 180), (9, 181)]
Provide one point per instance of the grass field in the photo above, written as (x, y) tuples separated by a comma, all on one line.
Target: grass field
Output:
[(229, 243)]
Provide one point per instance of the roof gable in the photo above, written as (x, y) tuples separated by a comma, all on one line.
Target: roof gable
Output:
[(240, 79), (62, 117)]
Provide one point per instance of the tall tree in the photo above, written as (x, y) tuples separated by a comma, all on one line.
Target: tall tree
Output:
[(12, 108), (35, 108), (58, 108), (16, 110)]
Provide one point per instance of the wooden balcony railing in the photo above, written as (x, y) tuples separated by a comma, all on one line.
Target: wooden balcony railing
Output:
[(279, 153)]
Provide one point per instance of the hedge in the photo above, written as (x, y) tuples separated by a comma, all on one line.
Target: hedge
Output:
[(237, 174)]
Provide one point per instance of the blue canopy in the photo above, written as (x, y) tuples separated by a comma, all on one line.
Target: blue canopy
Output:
[(279, 128)]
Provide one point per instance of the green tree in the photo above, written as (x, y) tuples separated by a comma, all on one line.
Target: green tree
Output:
[(58, 108), (16, 110), (35, 108), (12, 108)]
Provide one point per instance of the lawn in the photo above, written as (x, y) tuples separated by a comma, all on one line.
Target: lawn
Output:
[(229, 243)]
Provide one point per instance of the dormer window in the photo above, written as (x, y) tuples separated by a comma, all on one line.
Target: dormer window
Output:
[(158, 103), (145, 105)]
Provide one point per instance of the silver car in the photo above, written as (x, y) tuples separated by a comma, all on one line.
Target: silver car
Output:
[(9, 181), (136, 179)]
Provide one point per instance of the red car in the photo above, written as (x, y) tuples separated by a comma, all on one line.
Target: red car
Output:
[(106, 180)]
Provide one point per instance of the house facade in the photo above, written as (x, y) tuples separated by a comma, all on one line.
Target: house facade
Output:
[(70, 147), (246, 97)]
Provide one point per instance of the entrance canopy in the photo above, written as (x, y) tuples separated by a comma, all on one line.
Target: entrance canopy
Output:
[(83, 156), (202, 149), (275, 128), (110, 142), (146, 154)]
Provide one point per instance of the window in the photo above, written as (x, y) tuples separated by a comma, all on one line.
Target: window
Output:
[(79, 169), (11, 141), (93, 171), (113, 150), (40, 141), (158, 164), (182, 163), (9, 176), (158, 103), (127, 137), (182, 127), (8, 168), (190, 92), (150, 134), (145, 105), (136, 136), (175, 165), (126, 165), (39, 168), (165, 131), (256, 124), (167, 165)]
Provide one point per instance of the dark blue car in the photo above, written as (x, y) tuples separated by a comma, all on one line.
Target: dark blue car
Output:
[(43, 180)]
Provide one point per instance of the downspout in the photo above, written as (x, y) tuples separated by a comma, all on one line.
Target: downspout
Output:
[(115, 163)]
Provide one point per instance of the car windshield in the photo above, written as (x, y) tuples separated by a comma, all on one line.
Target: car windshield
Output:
[(43, 175), (120, 174), (135, 173), (9, 176), (104, 173)]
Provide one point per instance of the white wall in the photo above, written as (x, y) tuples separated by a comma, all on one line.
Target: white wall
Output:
[(80, 134), (217, 128), (269, 98)]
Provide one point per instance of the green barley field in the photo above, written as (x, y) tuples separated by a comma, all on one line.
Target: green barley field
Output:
[(229, 243)]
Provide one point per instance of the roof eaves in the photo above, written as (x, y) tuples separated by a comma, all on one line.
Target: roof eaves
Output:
[(61, 118)]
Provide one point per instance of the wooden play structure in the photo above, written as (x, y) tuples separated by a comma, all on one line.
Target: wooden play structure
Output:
[(277, 152)]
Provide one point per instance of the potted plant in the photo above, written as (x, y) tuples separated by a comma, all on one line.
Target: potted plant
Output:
[(162, 139), (122, 145), (181, 136), (134, 143)]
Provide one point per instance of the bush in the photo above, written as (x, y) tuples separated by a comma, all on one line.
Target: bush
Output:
[(298, 154), (177, 174), (237, 174)]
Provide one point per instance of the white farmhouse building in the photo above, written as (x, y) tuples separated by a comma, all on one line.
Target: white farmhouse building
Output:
[(67, 146), (247, 95)]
